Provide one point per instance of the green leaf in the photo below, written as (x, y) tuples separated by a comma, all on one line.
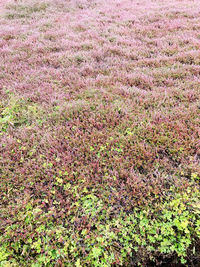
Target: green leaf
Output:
[(96, 252), (78, 263)]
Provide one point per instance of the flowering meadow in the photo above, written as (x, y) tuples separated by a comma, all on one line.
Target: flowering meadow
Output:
[(99, 133)]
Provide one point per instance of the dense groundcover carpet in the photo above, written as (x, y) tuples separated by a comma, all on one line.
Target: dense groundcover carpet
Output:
[(99, 133)]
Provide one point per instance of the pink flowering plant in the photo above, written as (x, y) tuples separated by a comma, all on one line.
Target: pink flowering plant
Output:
[(99, 133)]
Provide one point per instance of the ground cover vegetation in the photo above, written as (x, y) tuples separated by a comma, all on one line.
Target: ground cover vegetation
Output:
[(99, 133)]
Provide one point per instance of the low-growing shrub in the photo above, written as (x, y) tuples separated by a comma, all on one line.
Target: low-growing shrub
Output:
[(89, 234)]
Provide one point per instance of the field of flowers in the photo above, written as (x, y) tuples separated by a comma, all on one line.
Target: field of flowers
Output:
[(99, 133)]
